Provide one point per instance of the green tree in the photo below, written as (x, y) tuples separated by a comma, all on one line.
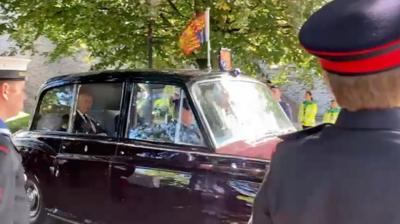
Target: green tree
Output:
[(118, 33)]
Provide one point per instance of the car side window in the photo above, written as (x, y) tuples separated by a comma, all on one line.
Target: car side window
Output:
[(161, 113), (54, 110), (98, 109)]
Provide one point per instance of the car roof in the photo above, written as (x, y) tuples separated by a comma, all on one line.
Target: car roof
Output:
[(183, 76)]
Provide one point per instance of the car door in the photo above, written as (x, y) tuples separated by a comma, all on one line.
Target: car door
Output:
[(142, 180), (83, 172), (159, 178), (229, 187), (40, 145), (84, 158), (151, 184)]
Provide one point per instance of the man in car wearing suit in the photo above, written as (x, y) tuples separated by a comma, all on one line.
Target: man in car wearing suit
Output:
[(348, 172), (84, 123), (14, 205)]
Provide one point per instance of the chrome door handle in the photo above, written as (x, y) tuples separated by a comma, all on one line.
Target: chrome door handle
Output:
[(206, 166)]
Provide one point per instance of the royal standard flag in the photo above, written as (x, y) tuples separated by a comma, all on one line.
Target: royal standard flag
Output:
[(194, 35)]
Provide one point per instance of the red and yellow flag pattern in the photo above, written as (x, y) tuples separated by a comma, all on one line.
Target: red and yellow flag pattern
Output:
[(193, 36)]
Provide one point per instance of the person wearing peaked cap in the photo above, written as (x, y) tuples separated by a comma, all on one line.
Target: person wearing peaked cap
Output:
[(348, 172), (14, 204)]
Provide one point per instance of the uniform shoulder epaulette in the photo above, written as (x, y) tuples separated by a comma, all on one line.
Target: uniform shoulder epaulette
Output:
[(304, 132), (4, 142), (4, 149)]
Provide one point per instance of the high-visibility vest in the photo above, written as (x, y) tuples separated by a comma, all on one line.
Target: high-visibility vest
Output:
[(331, 115), (307, 113)]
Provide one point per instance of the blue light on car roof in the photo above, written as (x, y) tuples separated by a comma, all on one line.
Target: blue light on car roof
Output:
[(236, 72)]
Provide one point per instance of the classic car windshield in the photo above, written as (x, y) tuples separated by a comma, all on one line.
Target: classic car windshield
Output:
[(238, 110)]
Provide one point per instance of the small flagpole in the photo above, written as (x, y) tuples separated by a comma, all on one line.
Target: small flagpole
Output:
[(208, 38)]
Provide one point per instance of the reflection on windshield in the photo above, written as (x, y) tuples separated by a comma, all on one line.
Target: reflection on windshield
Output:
[(239, 110)]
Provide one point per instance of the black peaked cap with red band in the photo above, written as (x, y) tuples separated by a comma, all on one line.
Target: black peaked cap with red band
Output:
[(355, 37)]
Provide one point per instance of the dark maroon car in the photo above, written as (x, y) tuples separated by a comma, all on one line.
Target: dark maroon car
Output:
[(158, 147)]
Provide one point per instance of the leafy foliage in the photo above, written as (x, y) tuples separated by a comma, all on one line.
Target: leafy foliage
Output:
[(19, 123), (115, 32)]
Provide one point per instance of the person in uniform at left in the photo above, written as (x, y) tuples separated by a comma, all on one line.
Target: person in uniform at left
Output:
[(14, 205), (332, 114)]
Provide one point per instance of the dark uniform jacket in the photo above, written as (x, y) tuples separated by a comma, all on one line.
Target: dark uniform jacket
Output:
[(348, 173), (14, 207)]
